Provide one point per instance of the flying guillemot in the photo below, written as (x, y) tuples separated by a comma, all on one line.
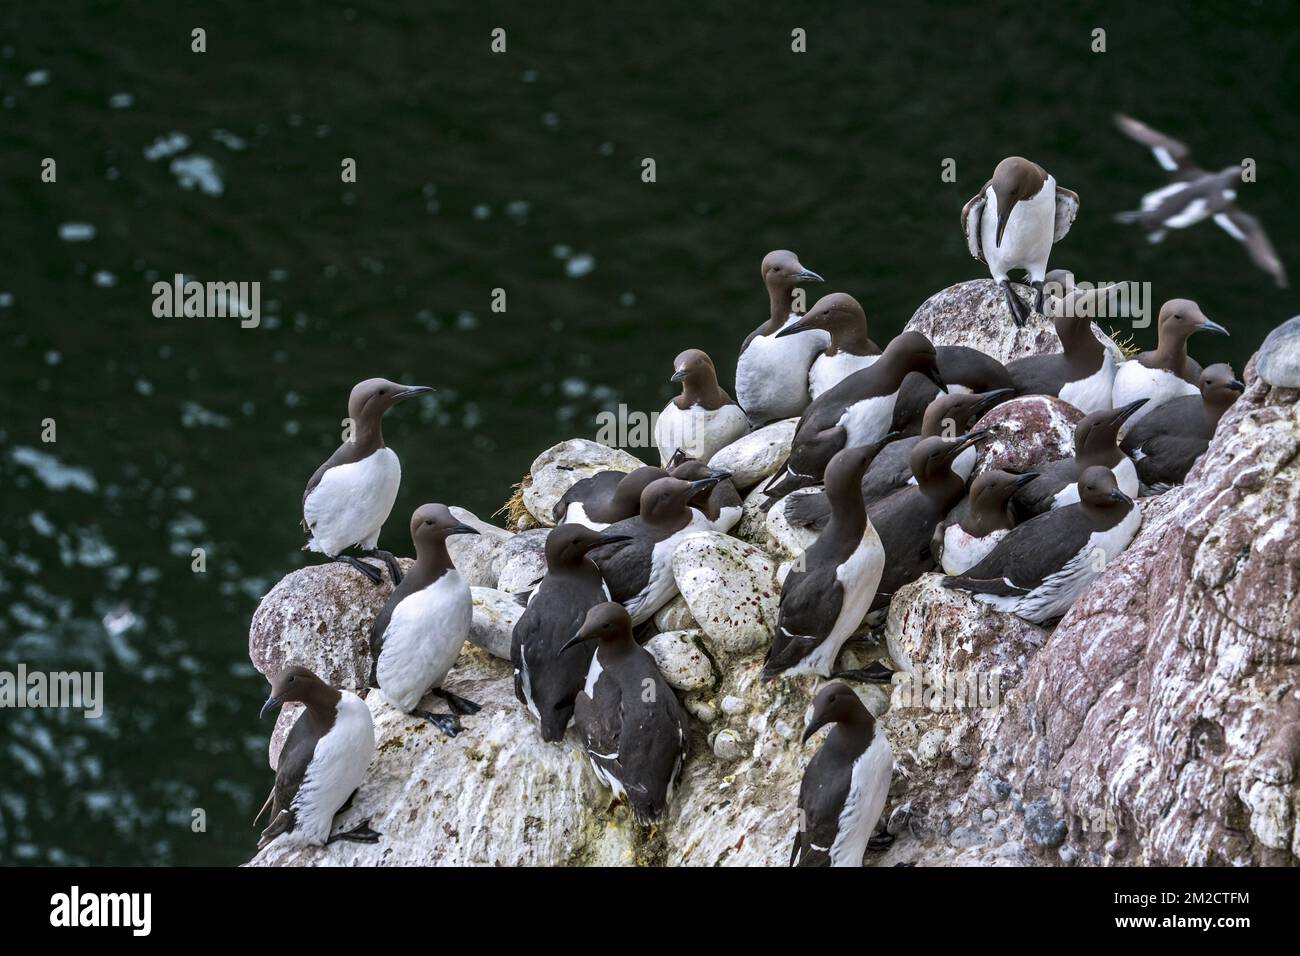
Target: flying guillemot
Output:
[(350, 496), (632, 725), (1168, 371), (857, 411), (850, 349), (1012, 223), (321, 764), (1040, 567), (1096, 442), (826, 595), (772, 373), (419, 633), (605, 497), (722, 503), (546, 681), (844, 785), (967, 534), (703, 419), (1195, 195), (1166, 443), (1083, 373)]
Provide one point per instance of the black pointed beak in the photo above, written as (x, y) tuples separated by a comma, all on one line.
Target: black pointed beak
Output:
[(1004, 213), (678, 376), (573, 642), (990, 399), (410, 391), (703, 484), (1120, 496), (679, 457), (813, 727), (461, 529), (807, 275), (1237, 385), (272, 702), (1025, 479), (932, 373), (1208, 326), (965, 441), (794, 328), (1126, 412)]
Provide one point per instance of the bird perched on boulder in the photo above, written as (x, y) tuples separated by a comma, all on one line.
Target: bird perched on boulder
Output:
[(1096, 442), (419, 633), (1042, 566), (1166, 443), (321, 764), (1168, 371), (1195, 195), (850, 349), (967, 534), (772, 373), (846, 783), (632, 725), (350, 496), (605, 497), (1012, 222), (721, 504), (701, 420)]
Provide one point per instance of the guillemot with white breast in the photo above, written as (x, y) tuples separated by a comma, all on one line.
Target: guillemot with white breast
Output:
[(968, 534), (703, 419), (1096, 442), (850, 349), (1168, 371), (722, 503), (605, 497)]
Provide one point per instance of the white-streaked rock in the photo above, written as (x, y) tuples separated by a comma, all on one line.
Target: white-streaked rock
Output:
[(753, 457), (681, 660), (475, 555), (522, 561), (730, 587), (784, 539), (1027, 432), (675, 616), (493, 621)]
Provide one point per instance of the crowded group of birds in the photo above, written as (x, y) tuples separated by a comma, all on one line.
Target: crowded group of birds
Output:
[(879, 470)]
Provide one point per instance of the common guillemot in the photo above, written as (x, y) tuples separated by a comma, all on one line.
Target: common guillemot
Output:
[(1096, 442), (1195, 195), (962, 369), (703, 419), (420, 631), (605, 497), (322, 762), (857, 411), (1083, 373), (349, 498), (850, 348), (1042, 566), (1168, 371), (967, 534), (772, 373), (826, 595), (1166, 443), (844, 785), (722, 503), (546, 681), (631, 723), (1012, 223)]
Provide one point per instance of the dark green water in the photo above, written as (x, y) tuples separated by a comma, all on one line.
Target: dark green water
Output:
[(477, 171)]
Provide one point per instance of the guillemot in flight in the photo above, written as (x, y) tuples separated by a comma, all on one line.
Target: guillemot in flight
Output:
[(967, 534), (1012, 222), (632, 725), (321, 764), (1096, 442), (722, 503), (1168, 371), (546, 681), (605, 497), (638, 567), (349, 497), (703, 419), (1042, 566), (850, 348), (1195, 195), (772, 373), (844, 785), (857, 411), (1166, 443), (420, 631), (826, 595)]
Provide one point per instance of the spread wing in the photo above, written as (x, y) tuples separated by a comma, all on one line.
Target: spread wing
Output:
[(971, 216), (1067, 207), (1173, 156), (1246, 229)]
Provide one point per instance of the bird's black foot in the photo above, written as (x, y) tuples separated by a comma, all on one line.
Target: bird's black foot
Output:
[(881, 842), (375, 576), (348, 802), (394, 569), (1038, 297), (875, 673), (459, 705), (447, 723), (361, 833), (1019, 311)]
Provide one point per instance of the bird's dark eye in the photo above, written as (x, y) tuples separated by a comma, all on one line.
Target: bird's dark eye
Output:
[(291, 680), (428, 521)]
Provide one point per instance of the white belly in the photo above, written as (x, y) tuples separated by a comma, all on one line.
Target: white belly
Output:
[(829, 370), (1027, 240), (859, 578), (866, 800), (1092, 394), (1125, 476), (351, 503), (772, 374), (577, 514), (1133, 380), (423, 640), (962, 550), (337, 768), (868, 421), (727, 518), (697, 431)]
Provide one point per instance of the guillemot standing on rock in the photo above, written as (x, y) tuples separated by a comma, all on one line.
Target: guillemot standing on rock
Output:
[(1096, 442), (825, 597), (701, 420), (349, 497), (638, 568), (631, 723), (722, 503), (1168, 371), (964, 538), (850, 349), (1195, 195), (1012, 223), (1042, 566), (857, 411), (605, 497), (546, 681), (1166, 443), (772, 373), (420, 631), (322, 762), (844, 785)]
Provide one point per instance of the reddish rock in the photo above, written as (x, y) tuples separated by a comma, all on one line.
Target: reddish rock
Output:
[(1028, 432)]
